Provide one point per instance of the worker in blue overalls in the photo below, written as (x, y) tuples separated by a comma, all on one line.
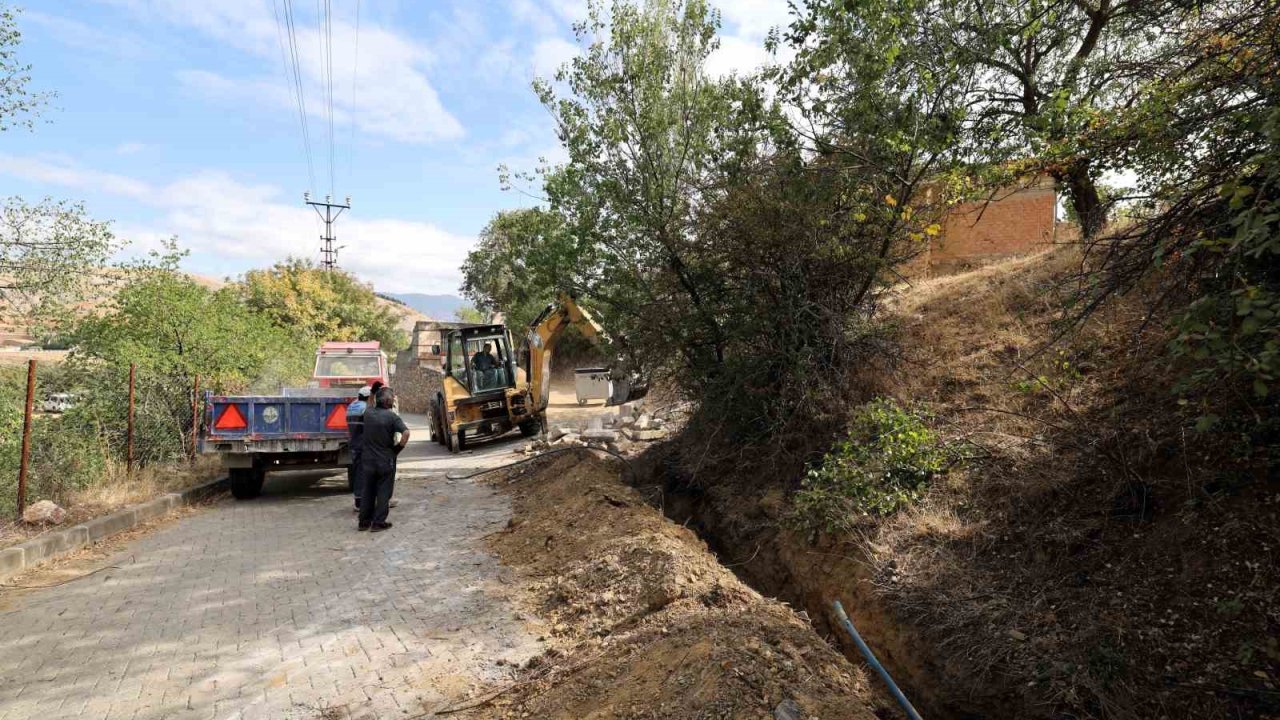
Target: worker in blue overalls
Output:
[(355, 429)]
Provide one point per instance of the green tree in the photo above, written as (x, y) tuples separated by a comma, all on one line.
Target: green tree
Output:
[(1204, 141), (517, 267), (1035, 72), (739, 256), (321, 304), (49, 253), (19, 105), (470, 315), (47, 248), (173, 329)]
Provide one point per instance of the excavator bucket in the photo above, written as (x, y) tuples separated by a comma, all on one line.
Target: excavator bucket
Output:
[(625, 390)]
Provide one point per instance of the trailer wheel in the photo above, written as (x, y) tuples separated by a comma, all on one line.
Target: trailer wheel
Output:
[(246, 483)]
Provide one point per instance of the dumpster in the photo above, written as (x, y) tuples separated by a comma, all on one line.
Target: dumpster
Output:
[(592, 384)]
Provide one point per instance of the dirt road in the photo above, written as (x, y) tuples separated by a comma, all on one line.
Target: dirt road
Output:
[(278, 608)]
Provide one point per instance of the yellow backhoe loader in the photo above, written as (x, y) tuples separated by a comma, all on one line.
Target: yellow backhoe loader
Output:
[(489, 388)]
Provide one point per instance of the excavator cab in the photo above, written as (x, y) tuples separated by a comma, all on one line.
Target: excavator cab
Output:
[(485, 392), (485, 359)]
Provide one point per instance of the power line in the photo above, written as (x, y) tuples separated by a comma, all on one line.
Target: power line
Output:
[(355, 66), (328, 32), (294, 83)]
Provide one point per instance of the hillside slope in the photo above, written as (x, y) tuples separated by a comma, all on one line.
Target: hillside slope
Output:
[(1093, 558)]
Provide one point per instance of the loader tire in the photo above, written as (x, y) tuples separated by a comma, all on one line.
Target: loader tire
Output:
[(459, 441), (529, 427)]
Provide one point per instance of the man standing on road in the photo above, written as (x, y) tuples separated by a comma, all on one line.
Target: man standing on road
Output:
[(355, 431), (378, 461)]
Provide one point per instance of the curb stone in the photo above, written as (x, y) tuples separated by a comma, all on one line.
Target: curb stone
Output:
[(26, 555)]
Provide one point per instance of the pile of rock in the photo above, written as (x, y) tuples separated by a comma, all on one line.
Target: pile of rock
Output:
[(625, 432)]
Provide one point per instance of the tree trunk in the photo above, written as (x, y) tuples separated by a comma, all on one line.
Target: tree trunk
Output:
[(1085, 200)]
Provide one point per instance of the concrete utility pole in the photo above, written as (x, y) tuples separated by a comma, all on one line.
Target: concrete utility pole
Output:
[(328, 216)]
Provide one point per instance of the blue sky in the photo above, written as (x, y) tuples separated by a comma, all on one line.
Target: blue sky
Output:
[(175, 117)]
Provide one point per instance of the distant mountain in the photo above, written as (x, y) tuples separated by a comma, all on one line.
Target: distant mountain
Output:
[(436, 307)]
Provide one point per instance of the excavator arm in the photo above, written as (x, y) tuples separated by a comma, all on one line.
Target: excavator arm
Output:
[(545, 332)]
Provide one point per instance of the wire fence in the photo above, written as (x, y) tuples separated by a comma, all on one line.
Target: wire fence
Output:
[(115, 424)]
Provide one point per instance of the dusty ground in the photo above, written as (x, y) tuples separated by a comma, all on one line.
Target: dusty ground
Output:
[(643, 620)]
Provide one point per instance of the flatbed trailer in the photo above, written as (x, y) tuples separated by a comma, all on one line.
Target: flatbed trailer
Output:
[(254, 434)]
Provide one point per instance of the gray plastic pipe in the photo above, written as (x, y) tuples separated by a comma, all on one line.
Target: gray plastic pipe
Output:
[(874, 663)]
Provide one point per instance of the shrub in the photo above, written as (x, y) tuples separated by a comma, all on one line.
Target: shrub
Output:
[(884, 464)]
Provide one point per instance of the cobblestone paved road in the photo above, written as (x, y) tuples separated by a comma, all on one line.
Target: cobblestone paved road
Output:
[(278, 608)]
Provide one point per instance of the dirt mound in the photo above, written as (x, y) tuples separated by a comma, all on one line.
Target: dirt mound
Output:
[(646, 622)]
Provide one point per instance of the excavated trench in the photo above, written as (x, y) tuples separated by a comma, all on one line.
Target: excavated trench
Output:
[(743, 530)]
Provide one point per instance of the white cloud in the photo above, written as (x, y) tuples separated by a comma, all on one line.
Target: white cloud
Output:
[(744, 26), (736, 55), (549, 54), (394, 97), (131, 148), (753, 19), (252, 226), (571, 10)]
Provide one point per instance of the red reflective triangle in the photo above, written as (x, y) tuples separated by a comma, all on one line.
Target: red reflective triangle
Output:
[(337, 418), (230, 419)]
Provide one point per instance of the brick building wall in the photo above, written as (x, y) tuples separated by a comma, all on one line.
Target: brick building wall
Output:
[(1017, 221)]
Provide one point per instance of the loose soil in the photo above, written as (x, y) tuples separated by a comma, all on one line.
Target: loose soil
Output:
[(645, 622)]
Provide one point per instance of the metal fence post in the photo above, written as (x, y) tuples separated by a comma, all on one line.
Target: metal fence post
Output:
[(195, 415), (128, 462), (26, 437)]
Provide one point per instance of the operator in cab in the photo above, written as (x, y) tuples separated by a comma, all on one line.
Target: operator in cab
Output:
[(378, 460), (483, 359)]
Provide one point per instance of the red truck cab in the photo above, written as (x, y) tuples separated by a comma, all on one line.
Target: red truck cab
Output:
[(350, 365)]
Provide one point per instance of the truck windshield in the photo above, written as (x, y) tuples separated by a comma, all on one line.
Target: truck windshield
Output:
[(347, 366), (488, 357)]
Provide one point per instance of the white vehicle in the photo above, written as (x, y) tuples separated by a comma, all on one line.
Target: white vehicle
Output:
[(58, 402)]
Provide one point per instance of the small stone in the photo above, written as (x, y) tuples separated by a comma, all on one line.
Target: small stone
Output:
[(568, 439), (559, 432), (645, 422), (788, 710), (1018, 635), (601, 435), (45, 512), (626, 421)]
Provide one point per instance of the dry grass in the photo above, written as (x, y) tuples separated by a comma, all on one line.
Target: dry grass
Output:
[(1078, 566), (117, 490)]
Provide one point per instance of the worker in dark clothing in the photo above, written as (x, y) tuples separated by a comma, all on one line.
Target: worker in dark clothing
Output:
[(355, 433), (378, 460), (483, 359)]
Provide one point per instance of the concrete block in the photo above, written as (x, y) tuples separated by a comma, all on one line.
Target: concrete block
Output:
[(12, 562), (200, 492), (75, 538), (559, 432), (108, 525), (41, 547), (648, 435), (158, 507)]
